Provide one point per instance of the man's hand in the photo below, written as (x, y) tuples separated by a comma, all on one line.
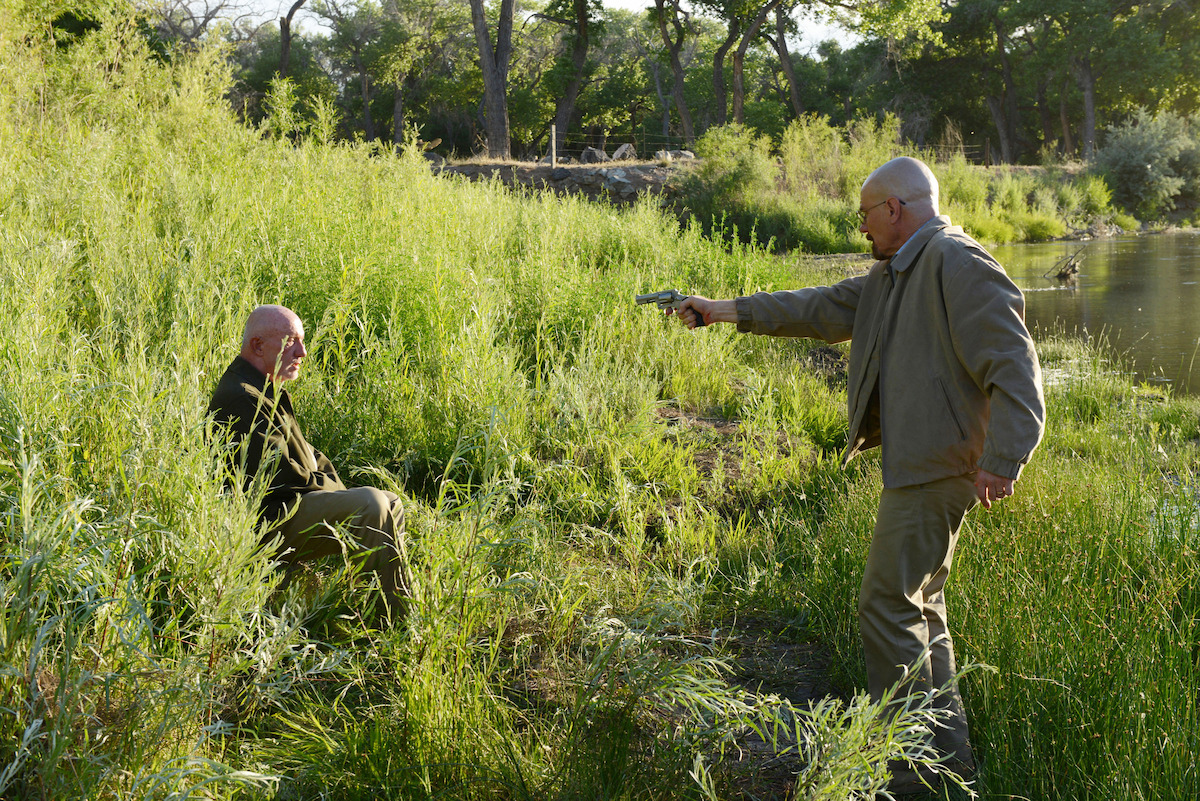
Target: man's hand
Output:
[(991, 488), (697, 308)]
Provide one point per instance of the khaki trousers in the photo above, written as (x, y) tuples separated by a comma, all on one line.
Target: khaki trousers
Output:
[(374, 521), (902, 605)]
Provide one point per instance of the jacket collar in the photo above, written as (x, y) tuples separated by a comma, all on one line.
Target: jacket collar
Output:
[(251, 374), (908, 252)]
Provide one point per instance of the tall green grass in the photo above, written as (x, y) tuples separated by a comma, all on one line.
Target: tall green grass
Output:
[(579, 525)]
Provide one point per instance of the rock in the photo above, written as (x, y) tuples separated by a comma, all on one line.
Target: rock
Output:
[(624, 152), (560, 174), (682, 155), (435, 161), (594, 155), (544, 160), (662, 155)]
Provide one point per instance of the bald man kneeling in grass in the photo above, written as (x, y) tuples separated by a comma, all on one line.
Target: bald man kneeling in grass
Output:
[(306, 501)]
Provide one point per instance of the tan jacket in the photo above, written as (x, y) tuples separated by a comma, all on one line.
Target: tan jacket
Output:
[(959, 386)]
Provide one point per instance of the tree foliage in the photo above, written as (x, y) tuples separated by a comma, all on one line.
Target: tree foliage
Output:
[(996, 80)]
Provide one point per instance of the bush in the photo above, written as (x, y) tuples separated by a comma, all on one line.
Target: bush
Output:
[(734, 162), (734, 196), (1039, 226), (1067, 199), (963, 185), (1126, 222), (1139, 161), (811, 151), (871, 143), (990, 229), (1187, 163), (1010, 193), (1096, 197)]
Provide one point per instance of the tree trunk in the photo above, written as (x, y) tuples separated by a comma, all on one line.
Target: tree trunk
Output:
[(1087, 84), (1008, 136), (739, 57), (996, 106), (285, 38), (565, 107), (1045, 115), (735, 29), (493, 63), (398, 114), (662, 100), (785, 60), (1068, 146), (365, 85), (674, 45)]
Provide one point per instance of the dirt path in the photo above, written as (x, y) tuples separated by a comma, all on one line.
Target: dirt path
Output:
[(767, 661)]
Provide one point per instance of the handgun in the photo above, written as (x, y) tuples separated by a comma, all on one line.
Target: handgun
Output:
[(668, 299)]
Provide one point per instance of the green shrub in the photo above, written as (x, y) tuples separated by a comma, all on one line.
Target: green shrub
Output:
[(1126, 222), (1096, 197), (1039, 226), (1044, 200), (990, 229), (1010, 192), (811, 150), (1068, 199), (734, 162), (1187, 163), (1138, 161), (963, 185)]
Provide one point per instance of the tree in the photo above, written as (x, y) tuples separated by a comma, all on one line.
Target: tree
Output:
[(355, 43), (285, 37), (739, 57), (783, 26), (680, 21), (580, 18), (493, 62)]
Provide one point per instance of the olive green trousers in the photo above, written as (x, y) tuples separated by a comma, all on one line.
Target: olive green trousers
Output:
[(902, 603), (373, 522)]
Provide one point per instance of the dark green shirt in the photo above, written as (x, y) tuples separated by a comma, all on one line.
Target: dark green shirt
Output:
[(260, 416)]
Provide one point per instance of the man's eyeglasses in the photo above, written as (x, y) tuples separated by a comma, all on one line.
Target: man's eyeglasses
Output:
[(862, 213)]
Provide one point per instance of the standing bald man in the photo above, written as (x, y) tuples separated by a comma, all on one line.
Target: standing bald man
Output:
[(306, 500), (944, 377)]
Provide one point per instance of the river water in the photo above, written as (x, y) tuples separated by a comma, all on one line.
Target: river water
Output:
[(1141, 293)]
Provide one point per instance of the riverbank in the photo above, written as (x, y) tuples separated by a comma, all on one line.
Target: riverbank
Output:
[(998, 205)]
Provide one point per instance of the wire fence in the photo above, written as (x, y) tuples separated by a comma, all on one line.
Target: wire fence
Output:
[(646, 145)]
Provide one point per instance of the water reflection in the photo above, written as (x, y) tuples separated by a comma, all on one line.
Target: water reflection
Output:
[(1143, 293)]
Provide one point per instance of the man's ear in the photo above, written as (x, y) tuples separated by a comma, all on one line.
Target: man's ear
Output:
[(256, 346)]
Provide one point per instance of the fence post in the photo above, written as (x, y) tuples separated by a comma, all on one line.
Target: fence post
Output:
[(553, 148)]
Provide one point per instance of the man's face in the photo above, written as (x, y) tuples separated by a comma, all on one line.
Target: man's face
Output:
[(283, 350), (875, 221)]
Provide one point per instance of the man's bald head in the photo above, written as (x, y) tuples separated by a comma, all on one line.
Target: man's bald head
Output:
[(896, 199), (909, 180), (273, 341)]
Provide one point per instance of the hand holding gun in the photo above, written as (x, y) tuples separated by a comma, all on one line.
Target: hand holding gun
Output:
[(668, 299)]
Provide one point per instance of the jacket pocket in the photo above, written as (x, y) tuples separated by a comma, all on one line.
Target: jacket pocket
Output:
[(962, 433)]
